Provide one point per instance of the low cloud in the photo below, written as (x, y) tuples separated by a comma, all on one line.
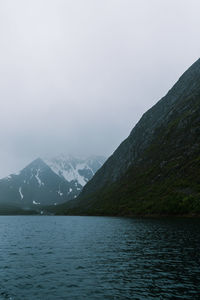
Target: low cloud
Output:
[(76, 76)]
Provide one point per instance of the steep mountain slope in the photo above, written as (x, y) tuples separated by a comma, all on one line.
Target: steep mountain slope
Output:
[(48, 182), (157, 168)]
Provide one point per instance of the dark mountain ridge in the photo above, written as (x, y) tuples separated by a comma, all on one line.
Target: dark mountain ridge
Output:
[(156, 169), (47, 182)]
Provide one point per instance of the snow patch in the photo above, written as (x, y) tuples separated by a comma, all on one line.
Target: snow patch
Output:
[(20, 192), (60, 193), (69, 167), (38, 178), (36, 203), (17, 173)]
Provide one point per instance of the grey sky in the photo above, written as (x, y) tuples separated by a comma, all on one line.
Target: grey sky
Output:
[(76, 75)]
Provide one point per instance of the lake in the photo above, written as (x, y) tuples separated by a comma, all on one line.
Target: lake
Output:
[(47, 257)]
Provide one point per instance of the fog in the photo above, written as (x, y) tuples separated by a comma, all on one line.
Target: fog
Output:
[(76, 76)]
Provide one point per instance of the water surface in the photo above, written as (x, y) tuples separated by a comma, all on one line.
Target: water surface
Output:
[(47, 257)]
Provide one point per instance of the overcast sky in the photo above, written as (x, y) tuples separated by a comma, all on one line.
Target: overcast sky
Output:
[(77, 75)]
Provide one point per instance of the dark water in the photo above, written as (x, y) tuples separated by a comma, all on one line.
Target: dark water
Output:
[(99, 258)]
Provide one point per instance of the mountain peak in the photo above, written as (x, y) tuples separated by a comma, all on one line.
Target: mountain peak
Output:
[(48, 182), (75, 169), (38, 162)]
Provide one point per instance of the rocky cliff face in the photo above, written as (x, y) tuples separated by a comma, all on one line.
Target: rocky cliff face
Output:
[(152, 171)]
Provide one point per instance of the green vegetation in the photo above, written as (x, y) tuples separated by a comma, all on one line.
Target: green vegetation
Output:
[(156, 170), (164, 181)]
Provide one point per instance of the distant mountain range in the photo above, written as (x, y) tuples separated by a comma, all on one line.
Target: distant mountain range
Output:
[(156, 170), (47, 182)]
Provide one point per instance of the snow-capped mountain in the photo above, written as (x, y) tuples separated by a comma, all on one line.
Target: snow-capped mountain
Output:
[(75, 169), (48, 181)]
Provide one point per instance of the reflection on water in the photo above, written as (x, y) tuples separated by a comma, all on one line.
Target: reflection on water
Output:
[(99, 258)]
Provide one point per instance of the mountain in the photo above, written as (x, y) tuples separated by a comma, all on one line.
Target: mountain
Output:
[(76, 170), (47, 182), (156, 170)]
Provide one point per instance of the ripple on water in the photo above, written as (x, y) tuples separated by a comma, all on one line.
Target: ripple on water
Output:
[(98, 258)]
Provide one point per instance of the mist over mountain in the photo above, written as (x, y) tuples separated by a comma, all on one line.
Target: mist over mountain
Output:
[(76, 76), (156, 170)]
